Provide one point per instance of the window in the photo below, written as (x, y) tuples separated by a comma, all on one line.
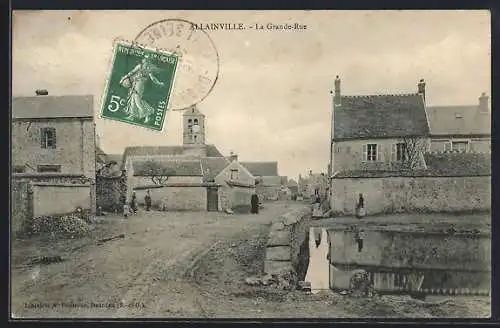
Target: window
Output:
[(234, 174), (18, 168), (190, 121), (370, 152), (460, 146), (195, 121), (195, 137), (49, 168), (48, 137), (399, 151)]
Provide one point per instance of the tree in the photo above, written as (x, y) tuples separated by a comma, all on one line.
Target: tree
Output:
[(408, 152), (157, 173)]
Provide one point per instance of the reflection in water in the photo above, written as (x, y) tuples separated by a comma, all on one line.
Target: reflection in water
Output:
[(317, 272)]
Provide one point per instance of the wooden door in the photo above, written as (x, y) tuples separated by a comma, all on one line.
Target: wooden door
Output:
[(212, 199)]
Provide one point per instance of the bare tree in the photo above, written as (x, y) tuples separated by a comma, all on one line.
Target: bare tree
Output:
[(156, 172), (409, 152)]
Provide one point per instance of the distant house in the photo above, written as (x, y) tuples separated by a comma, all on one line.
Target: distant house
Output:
[(293, 186), (236, 186), (461, 128), (54, 147), (269, 181), (375, 132)]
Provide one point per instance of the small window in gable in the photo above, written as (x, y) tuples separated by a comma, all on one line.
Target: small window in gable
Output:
[(234, 174)]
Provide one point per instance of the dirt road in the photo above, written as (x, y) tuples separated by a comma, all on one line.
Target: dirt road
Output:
[(138, 275)]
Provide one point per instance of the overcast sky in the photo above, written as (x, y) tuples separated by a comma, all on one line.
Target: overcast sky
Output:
[(272, 100)]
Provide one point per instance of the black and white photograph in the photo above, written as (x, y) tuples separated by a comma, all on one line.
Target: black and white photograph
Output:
[(237, 164)]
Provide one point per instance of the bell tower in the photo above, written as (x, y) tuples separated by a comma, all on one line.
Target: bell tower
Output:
[(193, 127)]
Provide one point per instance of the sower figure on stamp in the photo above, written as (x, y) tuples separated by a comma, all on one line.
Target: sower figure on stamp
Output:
[(135, 81), (147, 200)]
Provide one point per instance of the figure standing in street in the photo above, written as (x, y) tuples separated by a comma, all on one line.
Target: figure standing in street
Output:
[(147, 201), (133, 203), (126, 210), (255, 203), (360, 236), (360, 207)]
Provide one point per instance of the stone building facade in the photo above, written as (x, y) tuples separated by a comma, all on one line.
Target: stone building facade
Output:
[(53, 142)]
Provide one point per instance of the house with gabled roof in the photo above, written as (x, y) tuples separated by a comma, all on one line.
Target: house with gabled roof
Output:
[(269, 181), (54, 149), (461, 128), (372, 137), (371, 132)]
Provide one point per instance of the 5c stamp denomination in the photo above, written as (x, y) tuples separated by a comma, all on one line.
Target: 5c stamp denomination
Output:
[(139, 86)]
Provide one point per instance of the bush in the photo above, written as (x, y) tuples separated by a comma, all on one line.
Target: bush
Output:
[(77, 223)]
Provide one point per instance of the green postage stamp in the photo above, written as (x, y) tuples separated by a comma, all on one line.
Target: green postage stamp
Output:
[(139, 85)]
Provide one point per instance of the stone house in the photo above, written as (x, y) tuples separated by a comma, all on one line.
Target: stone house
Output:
[(380, 147), (293, 186), (461, 128), (376, 132), (236, 186), (54, 149), (269, 181)]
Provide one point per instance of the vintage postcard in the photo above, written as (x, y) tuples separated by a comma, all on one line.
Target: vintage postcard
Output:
[(250, 164)]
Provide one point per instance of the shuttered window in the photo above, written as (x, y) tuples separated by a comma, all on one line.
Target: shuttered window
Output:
[(371, 152), (48, 138), (399, 151)]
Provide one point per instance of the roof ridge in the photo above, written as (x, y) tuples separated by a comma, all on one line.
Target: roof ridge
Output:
[(382, 95)]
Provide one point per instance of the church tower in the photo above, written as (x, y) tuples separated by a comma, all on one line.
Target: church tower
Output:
[(193, 127)]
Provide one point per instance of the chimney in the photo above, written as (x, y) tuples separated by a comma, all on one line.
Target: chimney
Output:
[(233, 157), (421, 88), (483, 103), (41, 92), (337, 87)]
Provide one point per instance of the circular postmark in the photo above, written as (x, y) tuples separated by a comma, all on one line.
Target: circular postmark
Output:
[(198, 64)]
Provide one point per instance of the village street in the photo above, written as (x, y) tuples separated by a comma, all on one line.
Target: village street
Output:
[(145, 270)]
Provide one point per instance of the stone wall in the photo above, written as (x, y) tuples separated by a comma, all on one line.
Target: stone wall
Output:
[(23, 197), (55, 199), (412, 194), (110, 192), (286, 241), (176, 197), (235, 198), (21, 204)]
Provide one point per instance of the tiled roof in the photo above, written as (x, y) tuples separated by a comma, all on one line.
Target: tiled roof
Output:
[(171, 167), (261, 168), (458, 164), (74, 106), (379, 116), (212, 166), (211, 151), (458, 120), (438, 165)]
